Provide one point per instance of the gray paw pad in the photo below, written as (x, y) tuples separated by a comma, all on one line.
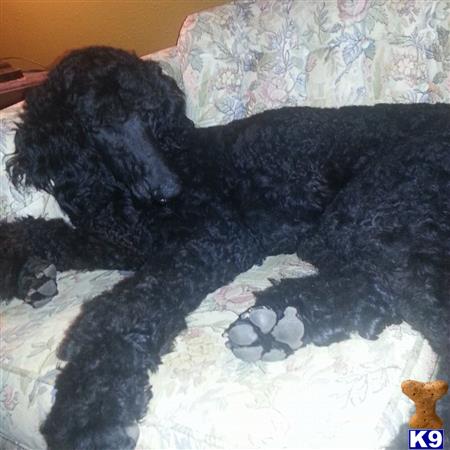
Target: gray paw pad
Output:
[(289, 329), (243, 334), (265, 319), (274, 355), (39, 282), (249, 354), (49, 272), (259, 334)]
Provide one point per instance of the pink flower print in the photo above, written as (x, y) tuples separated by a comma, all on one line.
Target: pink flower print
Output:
[(236, 298), (9, 397), (353, 10)]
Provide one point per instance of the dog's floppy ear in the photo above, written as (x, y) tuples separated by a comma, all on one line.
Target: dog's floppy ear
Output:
[(42, 143), (166, 104)]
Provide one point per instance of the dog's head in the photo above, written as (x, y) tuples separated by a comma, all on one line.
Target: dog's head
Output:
[(103, 117)]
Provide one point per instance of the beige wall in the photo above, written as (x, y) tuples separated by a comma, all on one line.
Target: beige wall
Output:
[(42, 30)]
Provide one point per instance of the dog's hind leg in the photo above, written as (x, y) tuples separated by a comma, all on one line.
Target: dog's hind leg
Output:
[(329, 307), (383, 253), (321, 309), (32, 250)]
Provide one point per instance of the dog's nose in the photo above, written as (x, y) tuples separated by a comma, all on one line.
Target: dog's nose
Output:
[(170, 189), (166, 192)]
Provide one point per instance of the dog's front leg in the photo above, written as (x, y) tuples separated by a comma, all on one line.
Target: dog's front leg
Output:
[(103, 390), (33, 250), (30, 249)]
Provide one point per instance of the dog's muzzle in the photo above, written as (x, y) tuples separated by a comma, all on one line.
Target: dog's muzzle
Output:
[(167, 191), (161, 193)]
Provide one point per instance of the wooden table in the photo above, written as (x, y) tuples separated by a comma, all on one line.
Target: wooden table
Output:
[(14, 91)]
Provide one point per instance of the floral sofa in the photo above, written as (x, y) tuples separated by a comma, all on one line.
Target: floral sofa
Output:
[(233, 61)]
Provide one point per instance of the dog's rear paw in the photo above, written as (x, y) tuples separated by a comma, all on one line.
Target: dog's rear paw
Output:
[(37, 282), (262, 334)]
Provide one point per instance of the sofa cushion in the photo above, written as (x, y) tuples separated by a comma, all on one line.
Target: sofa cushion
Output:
[(206, 398)]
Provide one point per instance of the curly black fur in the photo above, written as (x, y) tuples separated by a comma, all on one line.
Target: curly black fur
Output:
[(361, 192)]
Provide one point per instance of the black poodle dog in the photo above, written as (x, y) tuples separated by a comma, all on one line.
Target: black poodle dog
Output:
[(361, 192)]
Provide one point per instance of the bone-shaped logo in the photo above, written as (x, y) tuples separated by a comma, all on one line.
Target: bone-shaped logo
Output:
[(425, 396)]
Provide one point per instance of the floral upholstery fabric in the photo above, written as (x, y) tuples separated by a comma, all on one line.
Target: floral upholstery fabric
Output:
[(234, 61), (240, 59)]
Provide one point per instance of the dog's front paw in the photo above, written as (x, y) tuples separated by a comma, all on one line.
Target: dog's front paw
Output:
[(37, 282), (262, 334), (108, 437)]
